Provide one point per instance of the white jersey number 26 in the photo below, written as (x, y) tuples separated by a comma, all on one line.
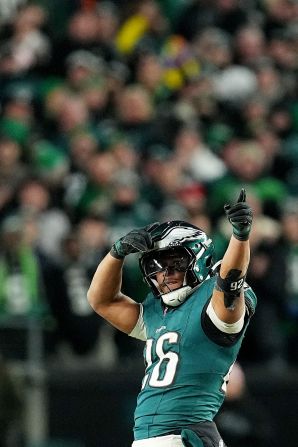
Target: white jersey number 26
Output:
[(169, 360)]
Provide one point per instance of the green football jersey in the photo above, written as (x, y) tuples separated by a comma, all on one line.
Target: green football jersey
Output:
[(187, 372)]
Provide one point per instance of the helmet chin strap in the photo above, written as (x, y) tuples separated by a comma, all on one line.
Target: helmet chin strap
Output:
[(176, 297)]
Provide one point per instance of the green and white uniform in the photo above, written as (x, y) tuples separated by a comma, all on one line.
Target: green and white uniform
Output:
[(188, 362)]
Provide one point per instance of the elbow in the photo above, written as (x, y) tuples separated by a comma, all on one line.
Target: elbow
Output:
[(95, 301), (92, 298)]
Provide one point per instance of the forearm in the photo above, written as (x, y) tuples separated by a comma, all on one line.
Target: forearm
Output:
[(104, 294), (236, 257), (228, 300), (106, 283)]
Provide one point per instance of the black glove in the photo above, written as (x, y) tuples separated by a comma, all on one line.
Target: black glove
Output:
[(240, 216), (136, 240)]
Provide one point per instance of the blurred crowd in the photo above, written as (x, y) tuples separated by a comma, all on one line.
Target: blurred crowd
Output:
[(115, 114)]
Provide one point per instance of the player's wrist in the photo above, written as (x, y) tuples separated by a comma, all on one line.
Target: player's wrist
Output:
[(116, 251), (242, 235)]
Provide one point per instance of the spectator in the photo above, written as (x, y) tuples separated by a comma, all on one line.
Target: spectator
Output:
[(278, 15), (228, 15), (195, 158), (247, 163), (21, 279), (77, 326), (82, 66), (145, 28), (128, 208), (150, 74), (88, 30), (12, 172), (95, 195), (28, 48), (18, 121), (25, 279), (213, 48), (34, 201), (153, 168), (136, 115), (250, 45), (192, 197)]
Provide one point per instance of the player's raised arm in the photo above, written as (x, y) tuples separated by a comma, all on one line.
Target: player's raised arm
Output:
[(228, 298), (104, 294)]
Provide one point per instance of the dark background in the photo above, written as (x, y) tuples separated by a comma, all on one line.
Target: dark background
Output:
[(95, 408)]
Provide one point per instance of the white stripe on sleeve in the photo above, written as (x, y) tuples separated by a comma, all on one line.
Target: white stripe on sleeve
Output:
[(139, 331), (228, 328)]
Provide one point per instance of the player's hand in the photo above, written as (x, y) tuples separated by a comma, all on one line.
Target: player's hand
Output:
[(240, 216), (135, 241)]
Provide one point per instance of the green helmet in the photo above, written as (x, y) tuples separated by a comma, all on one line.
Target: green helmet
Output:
[(192, 252)]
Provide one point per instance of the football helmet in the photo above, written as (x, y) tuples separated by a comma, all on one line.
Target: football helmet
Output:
[(183, 247)]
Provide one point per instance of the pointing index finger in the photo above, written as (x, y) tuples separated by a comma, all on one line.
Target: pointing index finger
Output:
[(242, 196)]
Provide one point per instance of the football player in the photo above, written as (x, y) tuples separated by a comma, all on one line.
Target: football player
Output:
[(193, 322)]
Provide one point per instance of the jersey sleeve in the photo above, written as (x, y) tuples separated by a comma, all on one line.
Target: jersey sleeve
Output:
[(139, 331), (225, 338)]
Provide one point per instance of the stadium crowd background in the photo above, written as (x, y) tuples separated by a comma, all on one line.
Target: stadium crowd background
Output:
[(115, 114)]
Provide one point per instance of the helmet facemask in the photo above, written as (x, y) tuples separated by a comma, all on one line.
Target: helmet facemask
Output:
[(182, 247)]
